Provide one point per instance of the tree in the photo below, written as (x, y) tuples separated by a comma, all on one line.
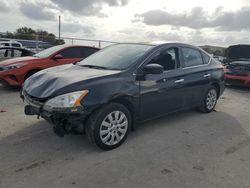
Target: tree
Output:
[(31, 34), (218, 53)]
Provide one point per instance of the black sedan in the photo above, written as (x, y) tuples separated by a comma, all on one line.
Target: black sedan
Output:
[(107, 93)]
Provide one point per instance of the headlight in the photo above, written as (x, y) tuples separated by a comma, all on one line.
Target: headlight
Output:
[(68, 100), (13, 66)]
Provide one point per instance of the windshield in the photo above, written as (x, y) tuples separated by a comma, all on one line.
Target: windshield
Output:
[(117, 57), (49, 51)]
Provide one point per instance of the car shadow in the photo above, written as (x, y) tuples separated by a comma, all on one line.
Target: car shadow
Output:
[(40, 134), (38, 144), (4, 88)]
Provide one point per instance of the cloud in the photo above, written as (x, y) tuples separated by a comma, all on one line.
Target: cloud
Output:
[(164, 36), (198, 18), (38, 11), (4, 7), (87, 7), (77, 27)]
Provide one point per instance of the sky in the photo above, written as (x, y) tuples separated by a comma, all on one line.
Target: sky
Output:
[(198, 22)]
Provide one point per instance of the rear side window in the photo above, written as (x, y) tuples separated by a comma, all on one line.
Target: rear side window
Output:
[(17, 53), (3, 53), (5, 44), (78, 52), (71, 53), (88, 51), (191, 57), (206, 58), (8, 53)]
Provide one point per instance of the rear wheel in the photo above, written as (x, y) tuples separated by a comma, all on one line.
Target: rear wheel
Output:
[(209, 101), (109, 126)]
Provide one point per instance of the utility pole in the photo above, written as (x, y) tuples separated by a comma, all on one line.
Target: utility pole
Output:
[(59, 29)]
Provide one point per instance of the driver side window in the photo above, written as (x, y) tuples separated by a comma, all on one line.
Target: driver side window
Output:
[(167, 58)]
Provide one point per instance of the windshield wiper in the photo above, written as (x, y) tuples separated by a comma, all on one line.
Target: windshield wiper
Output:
[(94, 66)]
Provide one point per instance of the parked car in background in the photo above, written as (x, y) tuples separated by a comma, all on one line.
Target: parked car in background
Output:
[(108, 92), (11, 44), (14, 72), (219, 58), (237, 65), (11, 52)]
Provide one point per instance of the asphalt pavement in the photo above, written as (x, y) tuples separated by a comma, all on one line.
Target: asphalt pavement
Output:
[(186, 149)]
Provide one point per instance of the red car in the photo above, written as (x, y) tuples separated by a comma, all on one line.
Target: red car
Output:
[(14, 72), (237, 68)]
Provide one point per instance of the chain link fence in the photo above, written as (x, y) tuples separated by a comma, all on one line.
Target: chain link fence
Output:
[(88, 42), (37, 42)]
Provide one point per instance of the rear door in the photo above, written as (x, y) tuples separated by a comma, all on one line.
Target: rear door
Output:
[(197, 74)]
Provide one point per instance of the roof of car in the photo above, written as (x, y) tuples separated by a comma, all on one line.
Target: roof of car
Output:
[(76, 45), (162, 44)]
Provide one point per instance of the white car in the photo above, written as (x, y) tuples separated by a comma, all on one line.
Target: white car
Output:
[(11, 44)]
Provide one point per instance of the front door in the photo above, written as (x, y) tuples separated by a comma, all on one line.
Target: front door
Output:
[(162, 93)]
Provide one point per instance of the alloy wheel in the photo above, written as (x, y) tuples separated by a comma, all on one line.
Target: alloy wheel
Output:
[(113, 128), (211, 99)]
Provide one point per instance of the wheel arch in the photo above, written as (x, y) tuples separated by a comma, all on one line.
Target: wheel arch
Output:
[(30, 71), (217, 86), (128, 104)]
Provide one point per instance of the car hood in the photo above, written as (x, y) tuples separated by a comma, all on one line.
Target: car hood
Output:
[(63, 79), (240, 63), (16, 60)]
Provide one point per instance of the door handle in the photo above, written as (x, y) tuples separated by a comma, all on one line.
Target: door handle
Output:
[(207, 75), (179, 81)]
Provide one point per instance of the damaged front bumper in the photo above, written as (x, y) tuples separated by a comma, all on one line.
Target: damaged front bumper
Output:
[(68, 120)]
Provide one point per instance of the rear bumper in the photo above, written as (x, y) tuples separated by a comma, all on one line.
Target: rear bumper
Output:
[(237, 80)]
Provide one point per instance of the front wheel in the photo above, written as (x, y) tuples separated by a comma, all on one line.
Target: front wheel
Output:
[(108, 127), (209, 101)]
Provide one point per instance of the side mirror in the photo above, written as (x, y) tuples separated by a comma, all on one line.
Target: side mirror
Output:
[(153, 69), (58, 56)]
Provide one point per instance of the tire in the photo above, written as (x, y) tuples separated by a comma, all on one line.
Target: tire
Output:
[(209, 101), (109, 126), (30, 74)]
